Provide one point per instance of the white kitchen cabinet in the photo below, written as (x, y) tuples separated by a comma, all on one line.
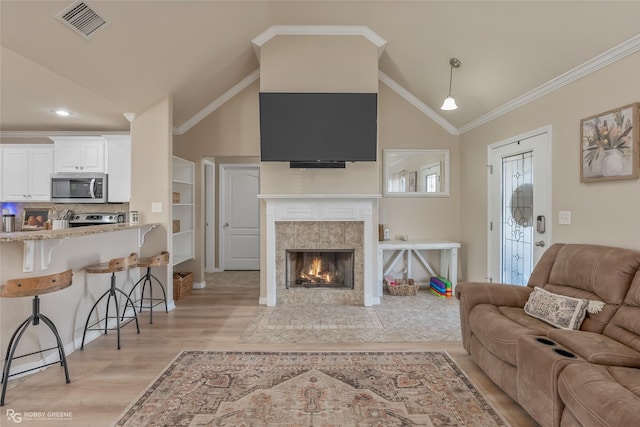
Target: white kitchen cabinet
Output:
[(183, 210), (118, 167), (26, 173), (79, 154)]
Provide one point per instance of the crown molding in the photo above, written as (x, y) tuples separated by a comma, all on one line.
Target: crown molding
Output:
[(624, 49), (217, 103), (318, 30), (421, 106)]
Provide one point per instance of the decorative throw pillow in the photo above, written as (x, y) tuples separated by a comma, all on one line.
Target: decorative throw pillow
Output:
[(559, 310)]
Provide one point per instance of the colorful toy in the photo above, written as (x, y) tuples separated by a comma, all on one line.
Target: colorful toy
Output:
[(440, 286)]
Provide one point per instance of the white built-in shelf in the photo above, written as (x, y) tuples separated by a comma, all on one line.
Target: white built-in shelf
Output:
[(183, 211)]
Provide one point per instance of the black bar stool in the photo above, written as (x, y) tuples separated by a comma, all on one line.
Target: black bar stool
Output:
[(33, 287), (154, 261), (113, 266)]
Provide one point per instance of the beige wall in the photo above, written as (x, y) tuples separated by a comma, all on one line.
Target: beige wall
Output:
[(402, 126), (319, 64), (151, 151), (151, 175), (603, 212), (231, 130)]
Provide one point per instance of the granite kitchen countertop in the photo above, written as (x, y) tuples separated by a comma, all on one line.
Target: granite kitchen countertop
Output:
[(20, 236)]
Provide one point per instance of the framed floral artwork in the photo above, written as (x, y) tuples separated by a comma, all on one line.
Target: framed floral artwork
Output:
[(609, 144)]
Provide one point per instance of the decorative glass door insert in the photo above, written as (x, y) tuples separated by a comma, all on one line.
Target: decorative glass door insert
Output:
[(517, 218), (519, 200)]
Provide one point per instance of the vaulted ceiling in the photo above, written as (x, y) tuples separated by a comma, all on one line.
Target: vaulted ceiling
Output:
[(197, 51)]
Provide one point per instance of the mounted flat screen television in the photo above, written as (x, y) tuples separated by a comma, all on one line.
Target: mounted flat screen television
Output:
[(318, 129)]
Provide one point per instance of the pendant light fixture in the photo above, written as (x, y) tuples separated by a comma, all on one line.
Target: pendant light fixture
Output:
[(450, 103)]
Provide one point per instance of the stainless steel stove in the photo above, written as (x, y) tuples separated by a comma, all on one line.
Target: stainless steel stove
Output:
[(96, 218)]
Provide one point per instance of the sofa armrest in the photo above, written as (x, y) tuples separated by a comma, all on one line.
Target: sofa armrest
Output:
[(596, 348), (597, 395), (471, 294)]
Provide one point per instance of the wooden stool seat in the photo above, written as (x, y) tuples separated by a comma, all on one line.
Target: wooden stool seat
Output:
[(116, 264), (33, 287), (159, 260), (155, 261), (113, 266)]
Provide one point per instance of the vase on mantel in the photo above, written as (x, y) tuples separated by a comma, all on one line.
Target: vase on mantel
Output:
[(612, 163)]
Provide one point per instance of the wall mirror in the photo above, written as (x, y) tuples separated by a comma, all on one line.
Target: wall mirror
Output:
[(416, 173)]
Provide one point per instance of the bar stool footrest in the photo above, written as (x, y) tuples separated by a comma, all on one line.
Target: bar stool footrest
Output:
[(35, 352), (139, 301), (123, 322), (61, 362)]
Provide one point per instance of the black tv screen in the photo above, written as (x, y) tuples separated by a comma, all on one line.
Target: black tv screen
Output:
[(318, 127)]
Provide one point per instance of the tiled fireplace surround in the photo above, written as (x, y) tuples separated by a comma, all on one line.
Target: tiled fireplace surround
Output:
[(318, 221)]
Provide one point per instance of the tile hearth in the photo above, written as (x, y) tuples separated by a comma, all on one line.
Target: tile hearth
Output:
[(421, 318), (319, 317)]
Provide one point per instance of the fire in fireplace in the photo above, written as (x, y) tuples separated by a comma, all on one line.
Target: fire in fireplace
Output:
[(320, 268)]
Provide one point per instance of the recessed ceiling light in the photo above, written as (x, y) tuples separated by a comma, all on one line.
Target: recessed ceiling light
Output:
[(62, 113)]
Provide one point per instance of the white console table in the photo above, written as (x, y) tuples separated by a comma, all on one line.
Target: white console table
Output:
[(448, 257)]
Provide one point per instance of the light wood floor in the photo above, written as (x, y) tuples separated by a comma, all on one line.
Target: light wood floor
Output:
[(104, 381)]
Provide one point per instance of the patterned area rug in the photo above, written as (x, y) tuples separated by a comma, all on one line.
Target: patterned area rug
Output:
[(202, 388)]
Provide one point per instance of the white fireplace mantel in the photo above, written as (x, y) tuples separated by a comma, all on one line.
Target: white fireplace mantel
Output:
[(318, 196), (322, 207)]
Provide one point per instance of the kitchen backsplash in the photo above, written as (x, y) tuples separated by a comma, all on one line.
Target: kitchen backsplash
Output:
[(18, 208)]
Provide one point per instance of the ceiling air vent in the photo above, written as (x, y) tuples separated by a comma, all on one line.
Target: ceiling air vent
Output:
[(82, 19)]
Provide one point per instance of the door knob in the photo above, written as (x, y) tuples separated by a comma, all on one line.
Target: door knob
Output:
[(540, 243), (226, 224)]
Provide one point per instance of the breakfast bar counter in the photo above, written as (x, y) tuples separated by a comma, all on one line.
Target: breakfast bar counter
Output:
[(20, 236), (28, 254), (45, 241)]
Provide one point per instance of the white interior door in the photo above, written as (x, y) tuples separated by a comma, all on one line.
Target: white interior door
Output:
[(240, 217), (519, 206)]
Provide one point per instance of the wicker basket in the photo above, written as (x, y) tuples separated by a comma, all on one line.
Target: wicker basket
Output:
[(403, 287), (176, 197), (176, 225), (182, 285)]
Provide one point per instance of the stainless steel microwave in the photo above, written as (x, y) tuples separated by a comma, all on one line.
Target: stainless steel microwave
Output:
[(79, 188)]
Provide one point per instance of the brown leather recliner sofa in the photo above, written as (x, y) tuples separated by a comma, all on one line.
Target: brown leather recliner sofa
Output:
[(563, 377)]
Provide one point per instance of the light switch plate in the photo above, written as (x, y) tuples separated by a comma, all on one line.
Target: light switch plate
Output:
[(156, 207), (564, 218)]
